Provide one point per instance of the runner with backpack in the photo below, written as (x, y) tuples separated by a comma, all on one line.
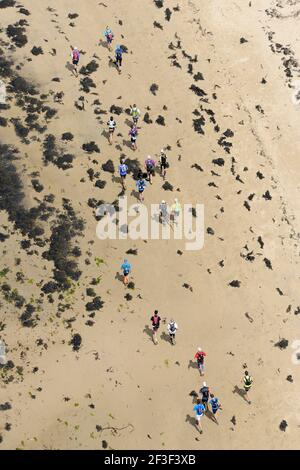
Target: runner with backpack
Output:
[(123, 168), (111, 129), (199, 356), (135, 113), (126, 268), (215, 406), (164, 164), (133, 133), (150, 168), (172, 328), (109, 36), (247, 385), (75, 56), (141, 184), (155, 320), (118, 55), (205, 395)]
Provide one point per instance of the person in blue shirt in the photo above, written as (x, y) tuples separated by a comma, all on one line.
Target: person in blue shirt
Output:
[(141, 184), (123, 168), (215, 405), (118, 54), (199, 410), (126, 268)]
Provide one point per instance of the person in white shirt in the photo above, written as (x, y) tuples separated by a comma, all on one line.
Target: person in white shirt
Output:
[(111, 129), (172, 328)]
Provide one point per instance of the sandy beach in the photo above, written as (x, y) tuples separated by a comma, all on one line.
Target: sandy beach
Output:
[(218, 86)]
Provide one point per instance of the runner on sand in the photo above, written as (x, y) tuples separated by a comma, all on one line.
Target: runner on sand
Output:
[(75, 56), (176, 210), (172, 328), (133, 133), (141, 184), (155, 320), (215, 405), (199, 356), (247, 384), (109, 36), (135, 113), (111, 129), (164, 164), (205, 395), (150, 168), (199, 410), (118, 54), (163, 212), (126, 268), (123, 168)]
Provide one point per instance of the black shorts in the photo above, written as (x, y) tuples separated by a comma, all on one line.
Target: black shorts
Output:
[(155, 327), (163, 166), (214, 410), (111, 130), (75, 62), (123, 176), (119, 61), (133, 140), (151, 172)]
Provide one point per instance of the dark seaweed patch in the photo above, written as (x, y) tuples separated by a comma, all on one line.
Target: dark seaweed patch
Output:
[(67, 136), (160, 120), (36, 50), (37, 185), (91, 147), (154, 88), (16, 33), (167, 186), (198, 125), (218, 161), (168, 14), (89, 68), (235, 283), (24, 11), (198, 91), (96, 304), (157, 25), (108, 166), (87, 83), (198, 76), (55, 155), (76, 342), (3, 122), (147, 119), (282, 344), (159, 3), (7, 3), (116, 110)]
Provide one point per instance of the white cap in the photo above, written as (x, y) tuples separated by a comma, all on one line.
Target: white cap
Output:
[(176, 200), (75, 48), (163, 202), (149, 156), (162, 150), (199, 349), (204, 384)]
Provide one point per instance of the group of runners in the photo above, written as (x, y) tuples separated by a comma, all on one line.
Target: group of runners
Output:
[(205, 396)]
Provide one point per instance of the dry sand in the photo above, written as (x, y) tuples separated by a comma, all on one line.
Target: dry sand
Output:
[(119, 390)]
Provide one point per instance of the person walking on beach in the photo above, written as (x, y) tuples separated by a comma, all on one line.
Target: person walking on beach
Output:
[(75, 56), (140, 185), (199, 356), (163, 163), (215, 406), (135, 113), (204, 390), (118, 55), (247, 385), (172, 328), (126, 268), (111, 129), (176, 210), (163, 212), (150, 168), (123, 168), (109, 36), (155, 320), (133, 133), (199, 410)]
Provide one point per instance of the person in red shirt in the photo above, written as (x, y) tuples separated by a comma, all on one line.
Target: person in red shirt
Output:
[(155, 320), (199, 356)]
